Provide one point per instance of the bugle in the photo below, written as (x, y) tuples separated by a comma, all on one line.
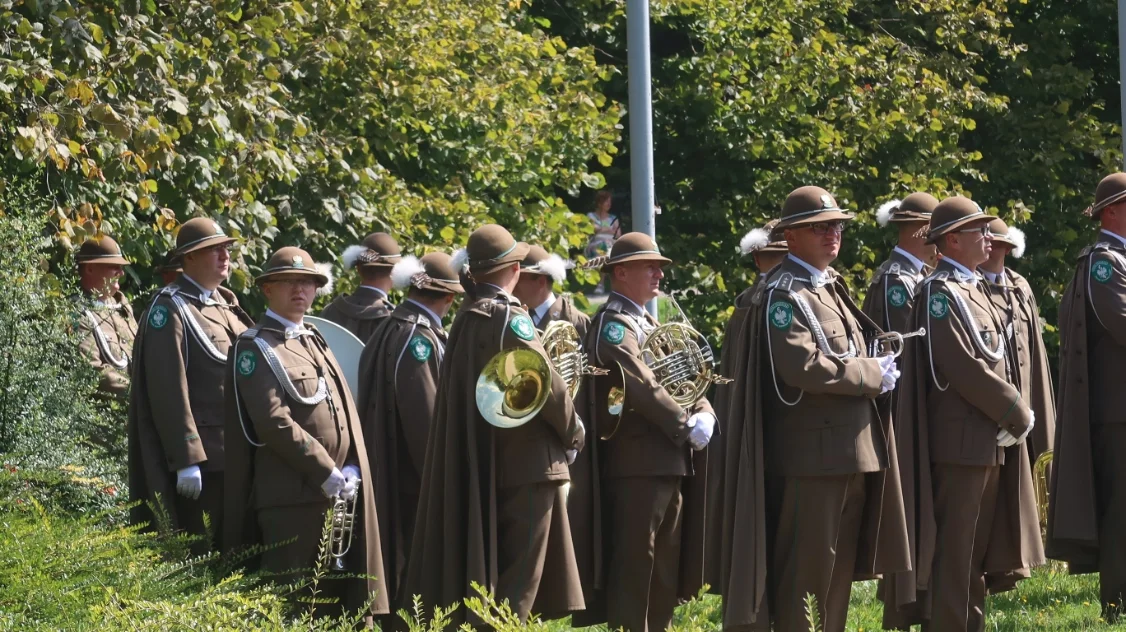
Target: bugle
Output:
[(343, 523), (890, 343)]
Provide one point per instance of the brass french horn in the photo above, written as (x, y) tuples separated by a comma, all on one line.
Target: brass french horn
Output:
[(513, 387), (682, 361), (564, 349)]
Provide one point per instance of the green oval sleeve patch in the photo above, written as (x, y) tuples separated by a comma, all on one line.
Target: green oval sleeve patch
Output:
[(247, 362), (158, 317), (781, 314), (420, 348), (1102, 271), (897, 296), (613, 333), (938, 306), (522, 326)]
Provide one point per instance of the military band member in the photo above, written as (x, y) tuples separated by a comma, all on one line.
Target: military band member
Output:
[(399, 373), (538, 271), (295, 439), (766, 245), (492, 506), (891, 293), (176, 406), (106, 322), (970, 504), (1087, 511), (360, 311), (639, 473), (812, 496)]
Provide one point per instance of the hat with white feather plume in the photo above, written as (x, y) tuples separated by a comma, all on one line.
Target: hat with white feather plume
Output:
[(999, 231), (434, 271), (539, 261), (765, 239), (916, 207), (378, 250)]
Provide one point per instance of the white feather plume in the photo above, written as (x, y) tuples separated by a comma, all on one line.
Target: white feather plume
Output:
[(757, 239), (554, 266), (326, 289), (460, 260), (351, 255), (883, 214), (403, 271), (1017, 237)]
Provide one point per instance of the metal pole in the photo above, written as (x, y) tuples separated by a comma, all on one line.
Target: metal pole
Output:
[(1121, 72), (642, 194)]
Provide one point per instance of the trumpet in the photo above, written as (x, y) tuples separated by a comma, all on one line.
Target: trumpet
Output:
[(513, 387), (682, 361), (890, 343), (343, 522), (564, 349)]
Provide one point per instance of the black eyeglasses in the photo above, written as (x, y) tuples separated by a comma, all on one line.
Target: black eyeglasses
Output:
[(824, 228), (983, 230)]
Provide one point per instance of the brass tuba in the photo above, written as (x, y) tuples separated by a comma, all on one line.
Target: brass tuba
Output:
[(343, 522), (564, 349), (513, 387), (1040, 485), (682, 361)]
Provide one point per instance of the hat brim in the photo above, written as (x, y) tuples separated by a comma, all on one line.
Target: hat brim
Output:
[(381, 263), (828, 215), (321, 278), (207, 242), (774, 247), (444, 287), (516, 255), (1098, 208), (909, 218), (113, 260), (1004, 239), (969, 222), (641, 256)]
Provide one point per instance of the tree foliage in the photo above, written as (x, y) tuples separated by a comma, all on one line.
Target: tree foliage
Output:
[(300, 122)]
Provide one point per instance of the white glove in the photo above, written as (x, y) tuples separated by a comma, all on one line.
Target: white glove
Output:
[(189, 482), (581, 432), (351, 481), (890, 373), (1006, 438), (572, 454), (702, 425), (334, 484)]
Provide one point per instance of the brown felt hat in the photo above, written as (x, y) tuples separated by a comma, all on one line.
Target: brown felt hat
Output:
[(810, 205), (1001, 232), (434, 271), (635, 247), (540, 261), (1111, 189), (916, 207), (199, 233), (492, 247), (292, 260), (765, 239), (101, 250), (377, 250), (954, 214), (171, 263)]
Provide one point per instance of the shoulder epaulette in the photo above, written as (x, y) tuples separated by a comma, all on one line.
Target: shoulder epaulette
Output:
[(614, 306), (784, 282)]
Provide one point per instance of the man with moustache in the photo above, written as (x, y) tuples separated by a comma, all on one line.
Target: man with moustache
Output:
[(399, 371), (106, 323), (492, 505), (538, 271), (811, 497), (892, 291), (959, 410), (176, 408), (296, 443), (1087, 511), (631, 495), (361, 311)]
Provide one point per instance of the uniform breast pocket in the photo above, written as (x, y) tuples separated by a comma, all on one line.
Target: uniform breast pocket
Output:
[(305, 379), (835, 335)]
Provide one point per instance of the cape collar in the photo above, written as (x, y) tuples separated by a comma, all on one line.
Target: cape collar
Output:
[(916, 262), (961, 273)]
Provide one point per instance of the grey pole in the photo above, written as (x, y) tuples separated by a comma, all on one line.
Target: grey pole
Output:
[(1121, 71), (642, 193)]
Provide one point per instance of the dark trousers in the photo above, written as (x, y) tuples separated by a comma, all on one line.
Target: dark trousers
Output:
[(965, 501), (189, 513), (644, 550), (816, 523), (1108, 443), (304, 526)]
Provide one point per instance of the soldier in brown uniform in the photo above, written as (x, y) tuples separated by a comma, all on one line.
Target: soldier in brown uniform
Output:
[(176, 407), (399, 373), (892, 291), (295, 440), (360, 311), (1087, 511), (970, 505), (492, 506), (538, 271), (638, 474), (812, 500), (106, 321)]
